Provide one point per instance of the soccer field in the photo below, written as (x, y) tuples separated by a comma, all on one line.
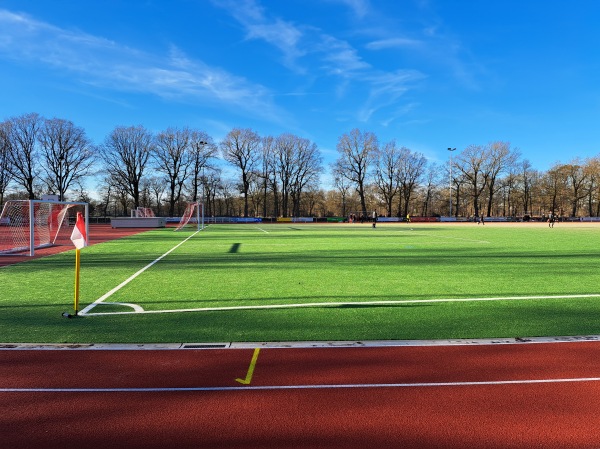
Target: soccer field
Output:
[(284, 282)]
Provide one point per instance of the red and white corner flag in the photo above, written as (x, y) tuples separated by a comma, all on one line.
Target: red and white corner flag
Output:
[(78, 236)]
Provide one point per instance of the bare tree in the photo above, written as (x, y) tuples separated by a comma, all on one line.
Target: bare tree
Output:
[(227, 188), (431, 179), (510, 186), (554, 185), (157, 187), (526, 175), (357, 152), (67, 154), (240, 147), (268, 174), (125, 154), (173, 159), (5, 173), (307, 167), (411, 170), (577, 178), (314, 198), (114, 198), (23, 155), (592, 167), (341, 183), (500, 158), (202, 150), (105, 190), (471, 163), (285, 149), (459, 184), (386, 177), (212, 184)]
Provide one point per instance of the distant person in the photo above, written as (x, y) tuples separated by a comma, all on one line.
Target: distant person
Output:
[(374, 219), (408, 218), (551, 220)]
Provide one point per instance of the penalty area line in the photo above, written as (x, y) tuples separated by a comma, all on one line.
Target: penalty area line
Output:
[(303, 387), (132, 277)]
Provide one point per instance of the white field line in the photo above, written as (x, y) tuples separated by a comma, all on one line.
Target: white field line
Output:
[(261, 229), (344, 304), (301, 387), (445, 237), (132, 277)]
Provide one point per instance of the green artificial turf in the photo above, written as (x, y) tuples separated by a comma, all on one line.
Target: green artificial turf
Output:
[(356, 269)]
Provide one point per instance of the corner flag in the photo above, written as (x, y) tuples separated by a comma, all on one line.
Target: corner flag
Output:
[(78, 236), (79, 239)]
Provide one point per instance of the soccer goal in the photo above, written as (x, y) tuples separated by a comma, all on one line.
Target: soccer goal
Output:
[(193, 215), (142, 212), (27, 225)]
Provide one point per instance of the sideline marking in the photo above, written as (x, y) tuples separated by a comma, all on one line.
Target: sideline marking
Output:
[(345, 304), (132, 277), (301, 387), (261, 229), (248, 378)]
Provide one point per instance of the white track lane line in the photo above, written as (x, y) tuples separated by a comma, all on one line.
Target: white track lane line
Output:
[(302, 387)]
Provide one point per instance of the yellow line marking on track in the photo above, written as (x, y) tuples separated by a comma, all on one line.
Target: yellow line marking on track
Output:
[(250, 373)]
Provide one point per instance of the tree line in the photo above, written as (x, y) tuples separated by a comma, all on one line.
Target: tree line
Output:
[(246, 174)]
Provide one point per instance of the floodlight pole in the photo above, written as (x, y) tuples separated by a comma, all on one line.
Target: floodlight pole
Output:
[(203, 175), (450, 183), (203, 143)]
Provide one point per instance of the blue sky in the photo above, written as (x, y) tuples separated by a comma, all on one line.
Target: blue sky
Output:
[(428, 73)]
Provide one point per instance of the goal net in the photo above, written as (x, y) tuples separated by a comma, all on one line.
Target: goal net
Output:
[(193, 216), (26, 225), (142, 212)]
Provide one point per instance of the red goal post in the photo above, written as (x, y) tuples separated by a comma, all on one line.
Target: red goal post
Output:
[(26, 225)]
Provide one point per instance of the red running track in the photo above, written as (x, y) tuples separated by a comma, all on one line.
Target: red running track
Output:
[(484, 396)]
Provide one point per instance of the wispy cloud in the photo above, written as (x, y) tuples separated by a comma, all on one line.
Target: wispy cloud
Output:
[(386, 90), (360, 8), (340, 58), (282, 34), (394, 42), (295, 41), (306, 49), (433, 42), (97, 61)]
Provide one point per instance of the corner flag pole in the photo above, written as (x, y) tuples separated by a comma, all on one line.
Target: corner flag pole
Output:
[(79, 239), (77, 261)]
